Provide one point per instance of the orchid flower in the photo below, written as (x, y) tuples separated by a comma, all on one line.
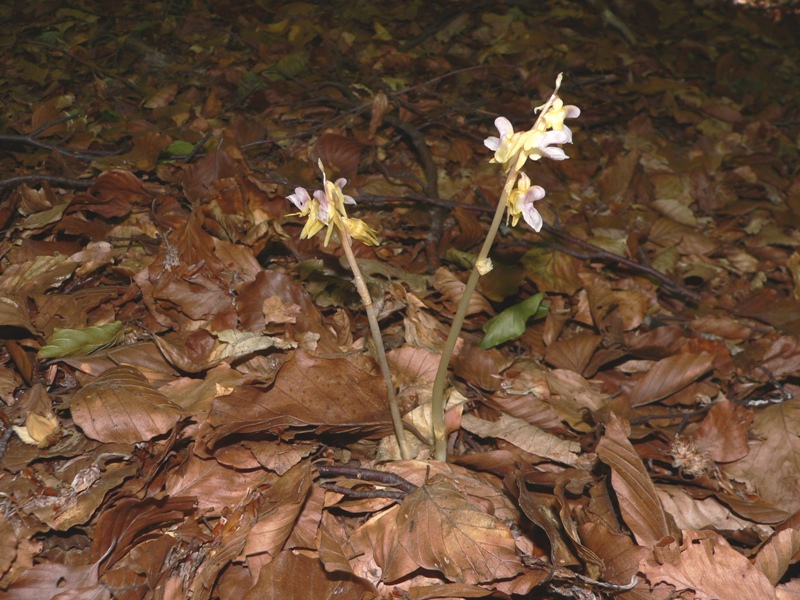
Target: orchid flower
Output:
[(326, 208), (549, 129), (554, 117), (521, 203)]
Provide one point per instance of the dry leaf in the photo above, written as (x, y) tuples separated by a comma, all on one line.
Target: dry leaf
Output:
[(638, 500), (121, 406)]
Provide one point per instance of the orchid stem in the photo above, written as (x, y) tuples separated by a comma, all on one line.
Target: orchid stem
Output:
[(437, 401), (377, 339)]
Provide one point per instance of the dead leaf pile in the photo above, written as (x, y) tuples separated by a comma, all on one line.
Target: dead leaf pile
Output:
[(190, 408)]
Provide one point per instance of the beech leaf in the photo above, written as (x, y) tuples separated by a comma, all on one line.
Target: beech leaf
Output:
[(668, 376), (121, 406), (525, 436), (73, 342), (638, 500), (440, 530)]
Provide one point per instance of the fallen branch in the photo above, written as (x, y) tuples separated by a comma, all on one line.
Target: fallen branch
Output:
[(67, 182), (384, 478)]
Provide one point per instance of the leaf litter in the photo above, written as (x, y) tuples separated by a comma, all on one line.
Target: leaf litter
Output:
[(190, 407)]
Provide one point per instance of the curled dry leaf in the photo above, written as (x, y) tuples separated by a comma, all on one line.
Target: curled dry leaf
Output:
[(339, 153), (525, 436), (49, 580), (620, 556), (771, 465), (299, 577), (722, 434), (452, 290), (638, 500), (121, 406), (329, 395), (778, 553), (696, 513), (284, 501), (573, 354)]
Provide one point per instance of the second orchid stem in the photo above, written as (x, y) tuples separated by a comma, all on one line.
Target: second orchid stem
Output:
[(377, 339), (437, 401)]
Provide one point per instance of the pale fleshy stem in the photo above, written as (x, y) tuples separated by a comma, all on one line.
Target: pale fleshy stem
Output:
[(437, 401), (380, 353)]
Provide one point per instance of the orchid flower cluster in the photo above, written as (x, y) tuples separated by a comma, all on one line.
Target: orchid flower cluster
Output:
[(515, 148), (326, 208)]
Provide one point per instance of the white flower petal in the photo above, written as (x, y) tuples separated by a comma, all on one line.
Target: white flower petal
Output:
[(563, 136), (528, 208), (534, 193), (554, 153), (492, 143), (324, 206), (300, 198), (504, 126), (532, 217)]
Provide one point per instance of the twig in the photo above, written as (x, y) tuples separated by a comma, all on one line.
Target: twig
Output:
[(68, 182), (339, 489), (85, 63), (600, 254), (369, 475), (32, 139)]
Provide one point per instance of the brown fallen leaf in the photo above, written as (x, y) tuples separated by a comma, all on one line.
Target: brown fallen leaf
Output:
[(121, 406), (638, 501), (772, 464), (298, 577), (525, 436), (668, 376), (438, 529), (704, 563)]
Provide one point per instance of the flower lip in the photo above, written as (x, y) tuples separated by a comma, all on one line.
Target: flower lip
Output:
[(505, 129), (521, 203), (300, 198)]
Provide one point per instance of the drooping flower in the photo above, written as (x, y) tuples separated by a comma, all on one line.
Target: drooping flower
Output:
[(309, 207), (521, 203), (326, 208), (508, 144), (549, 129), (300, 199), (554, 117)]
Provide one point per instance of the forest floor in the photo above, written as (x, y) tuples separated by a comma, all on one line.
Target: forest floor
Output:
[(190, 403)]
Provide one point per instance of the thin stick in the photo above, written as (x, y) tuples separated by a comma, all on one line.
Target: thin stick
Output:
[(377, 340)]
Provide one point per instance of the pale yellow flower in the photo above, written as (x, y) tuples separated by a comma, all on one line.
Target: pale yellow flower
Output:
[(554, 117), (521, 203), (327, 209)]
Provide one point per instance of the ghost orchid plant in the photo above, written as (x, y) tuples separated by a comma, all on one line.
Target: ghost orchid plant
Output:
[(326, 208), (512, 150)]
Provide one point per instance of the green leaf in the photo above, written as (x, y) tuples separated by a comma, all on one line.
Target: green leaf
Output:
[(510, 323), (74, 342), (179, 148)]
